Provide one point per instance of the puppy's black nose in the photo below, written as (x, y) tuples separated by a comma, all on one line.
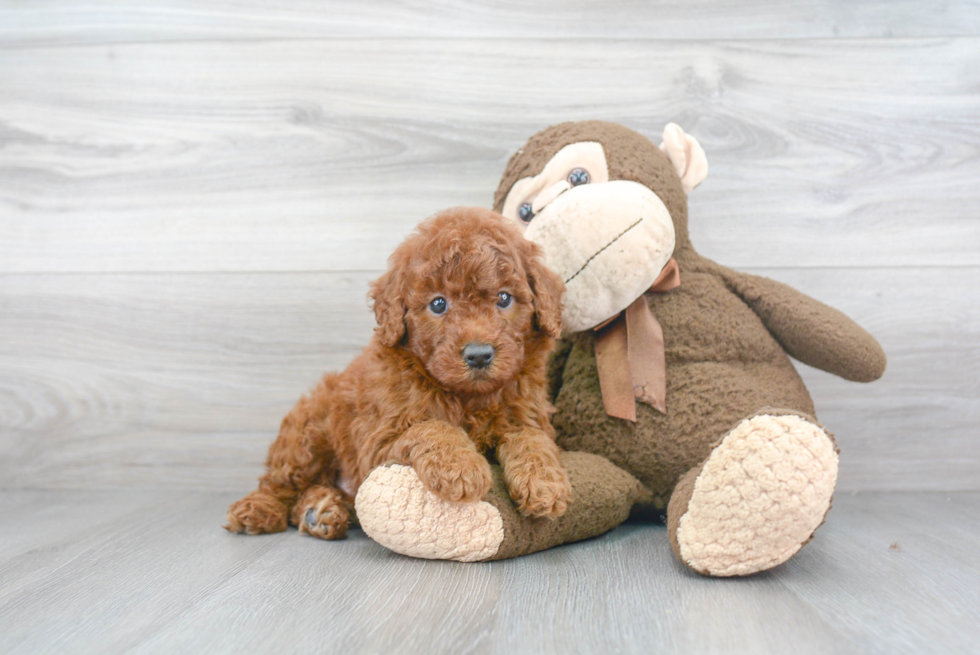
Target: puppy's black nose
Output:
[(478, 355)]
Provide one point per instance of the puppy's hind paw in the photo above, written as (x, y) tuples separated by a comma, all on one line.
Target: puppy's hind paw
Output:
[(321, 512), (257, 513)]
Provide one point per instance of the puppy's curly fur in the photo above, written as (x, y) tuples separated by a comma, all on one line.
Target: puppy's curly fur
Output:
[(411, 397)]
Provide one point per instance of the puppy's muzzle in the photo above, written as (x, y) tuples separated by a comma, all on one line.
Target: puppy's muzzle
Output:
[(478, 355)]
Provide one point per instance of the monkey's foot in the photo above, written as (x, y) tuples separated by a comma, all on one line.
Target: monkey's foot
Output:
[(757, 499)]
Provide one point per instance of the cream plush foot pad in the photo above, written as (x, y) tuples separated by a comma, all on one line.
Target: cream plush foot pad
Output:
[(760, 496), (395, 510)]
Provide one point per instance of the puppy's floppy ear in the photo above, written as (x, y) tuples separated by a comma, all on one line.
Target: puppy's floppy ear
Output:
[(389, 307), (547, 287)]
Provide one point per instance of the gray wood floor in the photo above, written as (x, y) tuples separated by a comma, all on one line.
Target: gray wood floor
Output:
[(151, 572), (194, 197)]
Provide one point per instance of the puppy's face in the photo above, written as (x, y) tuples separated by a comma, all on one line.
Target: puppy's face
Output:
[(469, 321), (467, 295)]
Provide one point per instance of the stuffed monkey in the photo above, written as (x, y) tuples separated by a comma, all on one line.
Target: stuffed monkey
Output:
[(673, 384)]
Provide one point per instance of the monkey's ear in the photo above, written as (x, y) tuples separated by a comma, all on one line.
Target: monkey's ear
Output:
[(548, 289), (687, 156), (389, 308)]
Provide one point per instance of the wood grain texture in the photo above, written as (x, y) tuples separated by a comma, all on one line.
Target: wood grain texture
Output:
[(932, 606), (151, 572), (180, 381), (141, 144), (61, 22), (322, 154)]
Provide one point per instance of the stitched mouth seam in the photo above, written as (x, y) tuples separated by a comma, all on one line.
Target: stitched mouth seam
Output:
[(589, 260)]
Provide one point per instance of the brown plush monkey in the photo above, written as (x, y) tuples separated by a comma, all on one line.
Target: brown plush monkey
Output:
[(675, 370)]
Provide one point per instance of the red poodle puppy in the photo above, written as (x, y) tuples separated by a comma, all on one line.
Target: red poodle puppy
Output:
[(467, 315)]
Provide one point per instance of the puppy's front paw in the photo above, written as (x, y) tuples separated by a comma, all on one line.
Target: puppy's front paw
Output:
[(541, 491), (455, 474)]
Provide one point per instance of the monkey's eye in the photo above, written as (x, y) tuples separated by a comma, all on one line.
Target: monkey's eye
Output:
[(504, 300), (525, 212), (438, 305), (578, 176)]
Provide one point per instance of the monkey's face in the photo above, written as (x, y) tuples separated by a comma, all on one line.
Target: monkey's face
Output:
[(607, 239)]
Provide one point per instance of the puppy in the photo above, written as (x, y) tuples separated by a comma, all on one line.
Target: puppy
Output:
[(467, 315)]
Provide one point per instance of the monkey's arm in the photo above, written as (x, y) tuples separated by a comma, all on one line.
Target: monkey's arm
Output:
[(809, 330)]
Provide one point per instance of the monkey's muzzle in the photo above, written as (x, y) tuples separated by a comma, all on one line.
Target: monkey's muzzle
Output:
[(608, 241)]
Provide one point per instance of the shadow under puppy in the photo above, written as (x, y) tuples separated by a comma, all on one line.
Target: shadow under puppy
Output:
[(467, 315)]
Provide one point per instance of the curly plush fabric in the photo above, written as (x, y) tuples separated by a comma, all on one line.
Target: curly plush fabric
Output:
[(395, 509), (757, 499)]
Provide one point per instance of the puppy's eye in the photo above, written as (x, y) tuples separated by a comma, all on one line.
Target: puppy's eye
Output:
[(438, 305), (504, 300), (525, 212), (578, 176)]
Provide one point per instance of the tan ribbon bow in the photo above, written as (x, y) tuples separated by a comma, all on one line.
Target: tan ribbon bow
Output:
[(629, 353)]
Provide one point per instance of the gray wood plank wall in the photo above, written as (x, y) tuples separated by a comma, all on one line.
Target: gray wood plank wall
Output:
[(193, 200)]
